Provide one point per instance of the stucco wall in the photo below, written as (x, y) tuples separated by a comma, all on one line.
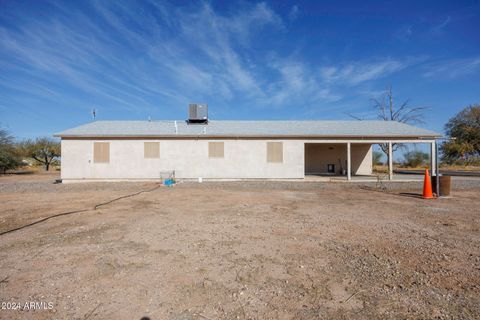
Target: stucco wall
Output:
[(362, 158), (319, 155), (189, 158)]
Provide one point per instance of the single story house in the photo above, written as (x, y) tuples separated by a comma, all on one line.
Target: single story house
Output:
[(214, 149)]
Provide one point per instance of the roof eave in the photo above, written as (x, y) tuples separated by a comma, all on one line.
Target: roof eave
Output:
[(424, 136)]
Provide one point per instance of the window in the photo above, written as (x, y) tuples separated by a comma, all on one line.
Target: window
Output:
[(151, 150), (101, 152), (215, 150), (275, 152)]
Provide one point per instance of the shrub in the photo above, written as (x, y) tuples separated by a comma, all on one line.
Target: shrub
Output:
[(414, 159)]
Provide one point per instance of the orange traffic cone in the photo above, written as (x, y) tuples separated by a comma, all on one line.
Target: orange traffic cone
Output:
[(427, 186)]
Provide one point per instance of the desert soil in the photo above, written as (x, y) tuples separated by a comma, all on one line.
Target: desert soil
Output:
[(237, 251)]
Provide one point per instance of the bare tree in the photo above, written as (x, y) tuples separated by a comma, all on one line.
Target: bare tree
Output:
[(388, 111)]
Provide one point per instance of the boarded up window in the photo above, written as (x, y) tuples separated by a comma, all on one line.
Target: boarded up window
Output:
[(151, 150), (215, 150), (101, 152), (275, 152)]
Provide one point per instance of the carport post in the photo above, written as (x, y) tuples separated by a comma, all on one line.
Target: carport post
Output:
[(349, 161), (390, 161), (433, 159)]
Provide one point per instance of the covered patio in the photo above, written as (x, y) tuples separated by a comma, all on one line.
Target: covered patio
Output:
[(353, 158)]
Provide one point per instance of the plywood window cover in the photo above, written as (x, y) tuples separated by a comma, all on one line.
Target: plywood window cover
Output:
[(151, 150), (101, 152), (216, 150), (275, 152)]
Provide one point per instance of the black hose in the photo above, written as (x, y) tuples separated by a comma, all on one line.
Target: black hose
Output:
[(78, 211)]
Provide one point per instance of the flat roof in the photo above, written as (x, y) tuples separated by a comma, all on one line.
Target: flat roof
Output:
[(234, 128)]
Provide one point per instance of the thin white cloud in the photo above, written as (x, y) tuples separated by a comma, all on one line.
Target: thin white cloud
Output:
[(452, 68), (297, 85), (169, 56), (216, 38), (355, 73), (75, 49), (260, 15)]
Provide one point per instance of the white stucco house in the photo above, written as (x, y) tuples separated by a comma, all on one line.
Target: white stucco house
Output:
[(211, 149)]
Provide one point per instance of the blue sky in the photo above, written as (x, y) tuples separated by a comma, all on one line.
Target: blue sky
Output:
[(247, 60)]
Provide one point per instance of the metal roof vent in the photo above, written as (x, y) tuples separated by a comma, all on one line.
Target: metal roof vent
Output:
[(198, 113)]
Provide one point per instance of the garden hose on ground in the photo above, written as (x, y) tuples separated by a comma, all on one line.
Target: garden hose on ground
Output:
[(79, 211)]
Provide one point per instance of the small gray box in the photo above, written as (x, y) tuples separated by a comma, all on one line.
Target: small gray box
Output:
[(198, 112)]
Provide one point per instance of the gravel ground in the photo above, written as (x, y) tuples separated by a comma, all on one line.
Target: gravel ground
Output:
[(48, 184), (230, 250)]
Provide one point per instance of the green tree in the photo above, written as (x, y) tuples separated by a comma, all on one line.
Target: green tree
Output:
[(43, 150), (414, 158), (9, 157), (464, 131)]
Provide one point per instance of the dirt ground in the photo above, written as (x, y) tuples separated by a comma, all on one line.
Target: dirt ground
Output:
[(237, 251)]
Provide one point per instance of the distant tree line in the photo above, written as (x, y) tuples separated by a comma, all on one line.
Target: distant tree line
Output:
[(43, 151), (411, 159)]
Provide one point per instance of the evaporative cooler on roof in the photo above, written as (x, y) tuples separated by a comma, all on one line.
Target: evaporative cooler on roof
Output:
[(198, 113)]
